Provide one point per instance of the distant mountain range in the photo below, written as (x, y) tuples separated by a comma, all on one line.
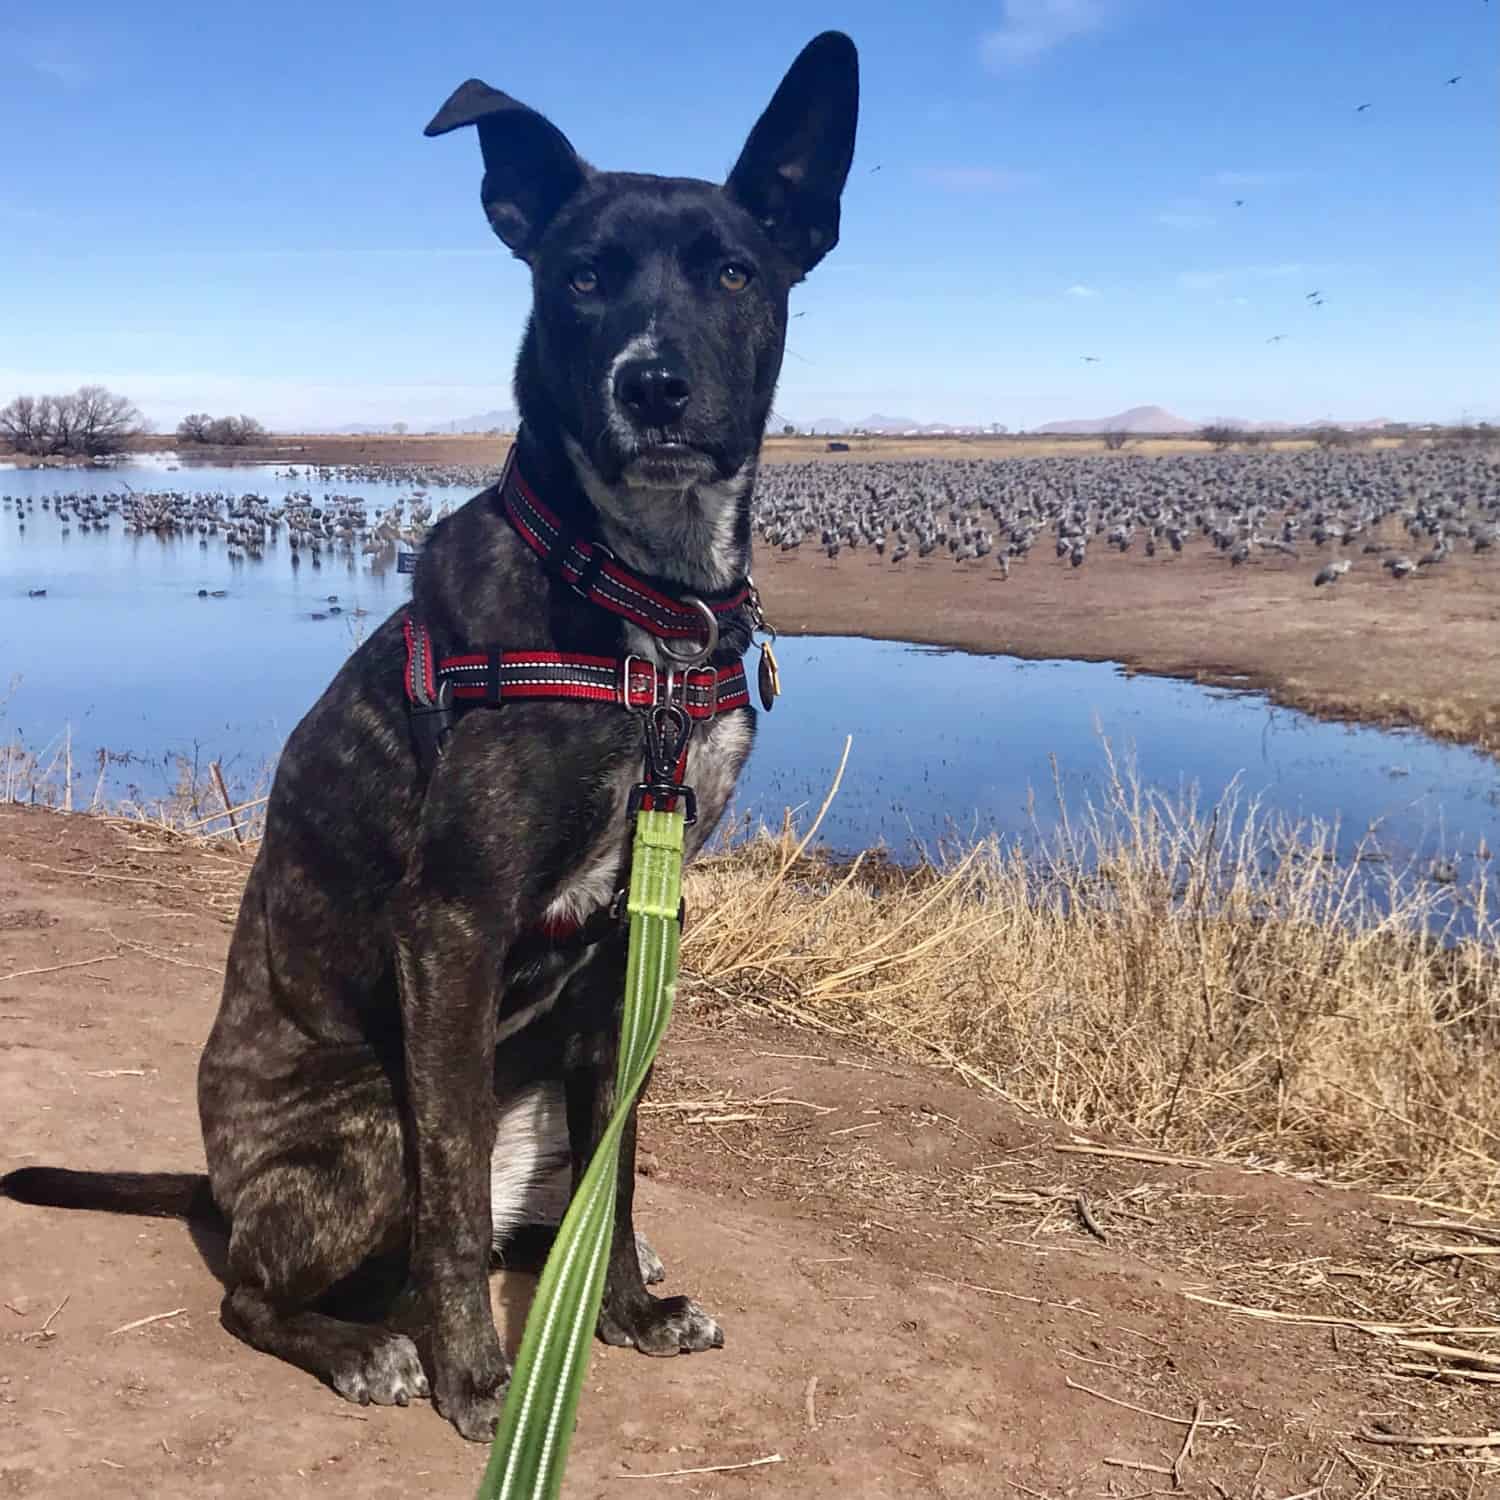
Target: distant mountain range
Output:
[(503, 420), (1157, 419), (891, 425), (1138, 419)]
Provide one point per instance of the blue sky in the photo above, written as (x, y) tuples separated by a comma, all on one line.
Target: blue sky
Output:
[(234, 207)]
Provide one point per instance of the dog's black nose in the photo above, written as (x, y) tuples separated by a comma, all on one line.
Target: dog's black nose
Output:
[(652, 392)]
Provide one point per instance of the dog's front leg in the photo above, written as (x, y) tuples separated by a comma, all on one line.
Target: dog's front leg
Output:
[(629, 1314), (448, 973)]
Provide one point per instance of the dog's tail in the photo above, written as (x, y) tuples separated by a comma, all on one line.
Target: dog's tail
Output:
[(162, 1195)]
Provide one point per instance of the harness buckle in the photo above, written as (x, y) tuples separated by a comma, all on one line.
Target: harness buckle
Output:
[(431, 724), (704, 680), (639, 683)]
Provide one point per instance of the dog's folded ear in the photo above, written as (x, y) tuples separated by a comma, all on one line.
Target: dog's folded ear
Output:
[(794, 164), (530, 166)]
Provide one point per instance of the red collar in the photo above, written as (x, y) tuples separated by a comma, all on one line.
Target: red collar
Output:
[(591, 569)]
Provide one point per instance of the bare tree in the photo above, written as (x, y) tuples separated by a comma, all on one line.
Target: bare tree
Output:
[(193, 428), (23, 424), (1254, 437), (233, 432), (399, 428), (1332, 437), (1114, 441), (788, 430), (1220, 434), (91, 420), (102, 420)]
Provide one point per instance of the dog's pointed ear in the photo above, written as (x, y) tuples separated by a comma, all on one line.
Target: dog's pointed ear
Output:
[(530, 166), (793, 167)]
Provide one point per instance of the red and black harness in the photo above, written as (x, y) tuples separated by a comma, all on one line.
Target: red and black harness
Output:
[(669, 700)]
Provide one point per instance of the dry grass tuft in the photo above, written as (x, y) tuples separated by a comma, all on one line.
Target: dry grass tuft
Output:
[(1207, 983)]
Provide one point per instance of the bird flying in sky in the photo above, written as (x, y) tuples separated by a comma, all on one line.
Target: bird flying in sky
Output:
[(1090, 359)]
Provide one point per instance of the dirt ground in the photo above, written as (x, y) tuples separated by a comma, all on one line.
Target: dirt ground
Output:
[(914, 1305)]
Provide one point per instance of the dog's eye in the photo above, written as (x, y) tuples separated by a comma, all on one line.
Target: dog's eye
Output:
[(584, 280), (734, 278)]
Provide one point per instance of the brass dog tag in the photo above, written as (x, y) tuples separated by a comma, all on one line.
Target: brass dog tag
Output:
[(770, 677)]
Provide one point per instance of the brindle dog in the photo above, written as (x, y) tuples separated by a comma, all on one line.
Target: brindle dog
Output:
[(403, 1059)]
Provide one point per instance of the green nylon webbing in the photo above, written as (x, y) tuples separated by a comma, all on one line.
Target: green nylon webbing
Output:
[(536, 1426)]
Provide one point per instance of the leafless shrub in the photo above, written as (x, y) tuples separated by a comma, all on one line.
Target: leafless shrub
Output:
[(93, 420), (222, 432)]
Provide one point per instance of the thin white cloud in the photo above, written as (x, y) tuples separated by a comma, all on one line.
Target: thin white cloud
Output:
[(1029, 28), (975, 179), (1078, 289)]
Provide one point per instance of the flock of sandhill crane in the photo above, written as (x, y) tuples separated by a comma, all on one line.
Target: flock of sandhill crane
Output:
[(336, 524), (1403, 510), (1245, 506)]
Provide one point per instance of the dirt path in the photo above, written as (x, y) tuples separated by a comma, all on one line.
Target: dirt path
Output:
[(911, 1299)]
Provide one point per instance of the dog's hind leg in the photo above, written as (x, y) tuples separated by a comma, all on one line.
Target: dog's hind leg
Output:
[(305, 1225)]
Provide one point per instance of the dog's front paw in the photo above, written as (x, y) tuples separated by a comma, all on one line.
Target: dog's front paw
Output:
[(652, 1270), (472, 1405), (385, 1369), (661, 1326)]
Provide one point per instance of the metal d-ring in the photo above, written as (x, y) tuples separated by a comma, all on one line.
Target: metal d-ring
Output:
[(699, 654)]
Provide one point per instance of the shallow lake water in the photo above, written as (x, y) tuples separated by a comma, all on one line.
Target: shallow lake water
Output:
[(123, 656)]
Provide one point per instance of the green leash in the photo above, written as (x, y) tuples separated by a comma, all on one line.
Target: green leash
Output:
[(536, 1427)]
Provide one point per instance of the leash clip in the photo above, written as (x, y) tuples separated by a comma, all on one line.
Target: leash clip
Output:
[(666, 730)]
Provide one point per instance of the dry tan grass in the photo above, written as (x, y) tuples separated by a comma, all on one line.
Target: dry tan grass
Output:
[(1206, 983)]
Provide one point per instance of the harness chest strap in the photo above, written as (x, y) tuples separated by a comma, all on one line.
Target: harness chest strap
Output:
[(494, 678)]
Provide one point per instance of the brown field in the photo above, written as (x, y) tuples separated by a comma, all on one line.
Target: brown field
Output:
[(929, 1289), (476, 448)]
